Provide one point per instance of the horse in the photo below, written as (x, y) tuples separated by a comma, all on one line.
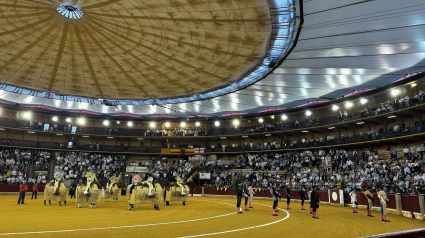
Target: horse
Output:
[(89, 192), (147, 192)]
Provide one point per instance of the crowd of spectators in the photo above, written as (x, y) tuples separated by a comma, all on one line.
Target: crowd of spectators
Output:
[(335, 168), (163, 168), (189, 131), (15, 164)]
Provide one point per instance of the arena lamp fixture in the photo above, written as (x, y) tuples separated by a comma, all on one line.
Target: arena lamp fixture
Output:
[(118, 122), (152, 125), (395, 92), (272, 116), (167, 124), (260, 120), (27, 115), (55, 118), (68, 119), (236, 122), (392, 116), (130, 124), (183, 124), (348, 104), (413, 85), (363, 101), (304, 131), (335, 107), (217, 123), (81, 121), (198, 124), (284, 117), (106, 123), (359, 123), (331, 128), (308, 113)]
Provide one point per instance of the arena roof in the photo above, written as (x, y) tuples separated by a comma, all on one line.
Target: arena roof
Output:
[(167, 58)]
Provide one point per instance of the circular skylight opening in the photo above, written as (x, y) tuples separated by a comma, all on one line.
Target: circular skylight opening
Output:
[(70, 11)]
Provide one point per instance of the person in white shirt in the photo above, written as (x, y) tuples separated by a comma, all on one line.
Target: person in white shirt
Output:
[(354, 203), (406, 151), (251, 195)]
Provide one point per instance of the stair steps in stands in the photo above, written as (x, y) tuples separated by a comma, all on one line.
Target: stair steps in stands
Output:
[(52, 165)]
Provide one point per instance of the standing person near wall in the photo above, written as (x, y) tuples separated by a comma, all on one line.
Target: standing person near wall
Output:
[(354, 203), (383, 199), (275, 195), (22, 190), (369, 198), (239, 191), (246, 196), (314, 202), (302, 197), (288, 196), (34, 191), (251, 195)]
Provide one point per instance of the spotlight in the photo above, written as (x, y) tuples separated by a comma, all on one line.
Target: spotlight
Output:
[(348, 104), (236, 122), (272, 116), (68, 120), (183, 124), (106, 123), (167, 124), (217, 123), (55, 119), (118, 122), (152, 125), (395, 92), (413, 85), (308, 113), (197, 124), (363, 101), (81, 121), (335, 107), (27, 115), (261, 120), (130, 124), (284, 117)]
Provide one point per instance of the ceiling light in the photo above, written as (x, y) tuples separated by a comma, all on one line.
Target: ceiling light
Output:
[(27, 115), (244, 136), (31, 132), (197, 124), (167, 124), (413, 85), (284, 117), (348, 104), (217, 123), (183, 124), (110, 137), (152, 125), (81, 121), (1, 129), (236, 122), (395, 92), (268, 134), (106, 123), (392, 116), (140, 138), (118, 122), (331, 128), (59, 134), (86, 136), (308, 113), (359, 123), (68, 120), (272, 116), (130, 124), (55, 119), (261, 120), (304, 131), (363, 101), (223, 137), (335, 107)]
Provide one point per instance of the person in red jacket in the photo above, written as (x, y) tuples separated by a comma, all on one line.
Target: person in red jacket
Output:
[(22, 190), (34, 191)]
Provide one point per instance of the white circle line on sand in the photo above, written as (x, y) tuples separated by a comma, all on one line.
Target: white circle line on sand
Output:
[(117, 227), (242, 229)]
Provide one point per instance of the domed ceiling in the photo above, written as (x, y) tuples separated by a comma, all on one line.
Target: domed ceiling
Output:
[(131, 49)]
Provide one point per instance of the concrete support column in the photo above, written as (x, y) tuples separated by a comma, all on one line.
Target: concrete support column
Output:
[(202, 191), (422, 205), (398, 204)]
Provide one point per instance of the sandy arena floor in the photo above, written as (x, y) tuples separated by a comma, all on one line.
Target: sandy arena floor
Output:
[(203, 216)]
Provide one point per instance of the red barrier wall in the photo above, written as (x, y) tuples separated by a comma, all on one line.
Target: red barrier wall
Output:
[(10, 188)]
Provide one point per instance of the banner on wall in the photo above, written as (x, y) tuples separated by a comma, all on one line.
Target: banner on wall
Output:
[(205, 176), (136, 169)]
